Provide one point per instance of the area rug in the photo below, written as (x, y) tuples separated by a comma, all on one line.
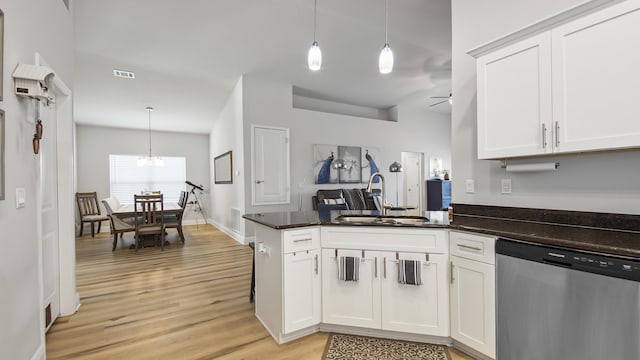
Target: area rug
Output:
[(351, 347)]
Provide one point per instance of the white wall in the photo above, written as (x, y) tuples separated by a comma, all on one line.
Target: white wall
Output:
[(95, 144), (270, 103), (49, 32), (226, 135), (606, 182)]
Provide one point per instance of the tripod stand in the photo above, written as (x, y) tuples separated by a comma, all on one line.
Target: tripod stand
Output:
[(196, 204)]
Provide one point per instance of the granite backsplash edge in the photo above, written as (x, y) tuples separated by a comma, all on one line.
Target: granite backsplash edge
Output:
[(608, 221)]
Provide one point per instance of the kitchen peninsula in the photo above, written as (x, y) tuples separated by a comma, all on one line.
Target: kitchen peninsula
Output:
[(298, 290)]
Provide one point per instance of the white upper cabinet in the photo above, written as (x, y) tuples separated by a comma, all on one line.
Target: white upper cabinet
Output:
[(570, 88), (514, 99), (596, 65)]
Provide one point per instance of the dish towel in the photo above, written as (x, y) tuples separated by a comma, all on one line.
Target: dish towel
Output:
[(348, 268), (410, 272)]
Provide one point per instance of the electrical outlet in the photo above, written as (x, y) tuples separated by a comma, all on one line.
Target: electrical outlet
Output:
[(470, 185), (506, 186)]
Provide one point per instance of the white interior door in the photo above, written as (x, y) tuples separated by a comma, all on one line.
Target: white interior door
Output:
[(48, 213), (412, 172), (270, 177)]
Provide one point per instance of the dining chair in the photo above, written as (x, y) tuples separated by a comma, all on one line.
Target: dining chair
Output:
[(118, 225), (149, 219), (176, 221), (89, 211)]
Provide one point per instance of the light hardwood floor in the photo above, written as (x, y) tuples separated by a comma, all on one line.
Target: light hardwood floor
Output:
[(189, 302)]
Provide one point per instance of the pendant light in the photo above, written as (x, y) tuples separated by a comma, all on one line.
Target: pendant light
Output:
[(385, 62), (150, 160), (314, 59)]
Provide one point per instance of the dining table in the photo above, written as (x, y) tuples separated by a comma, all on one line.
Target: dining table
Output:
[(128, 210)]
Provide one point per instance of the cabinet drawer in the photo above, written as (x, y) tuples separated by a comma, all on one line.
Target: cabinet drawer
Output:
[(301, 240), (472, 246), (385, 239)]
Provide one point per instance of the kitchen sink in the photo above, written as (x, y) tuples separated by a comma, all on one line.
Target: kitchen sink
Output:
[(381, 220)]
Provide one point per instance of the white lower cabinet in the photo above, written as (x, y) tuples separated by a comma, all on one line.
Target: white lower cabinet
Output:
[(473, 292), (301, 290), (377, 300), (288, 292), (352, 303), (415, 309)]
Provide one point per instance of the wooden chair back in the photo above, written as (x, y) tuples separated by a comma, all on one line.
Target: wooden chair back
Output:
[(149, 210), (87, 203), (149, 218), (184, 196)]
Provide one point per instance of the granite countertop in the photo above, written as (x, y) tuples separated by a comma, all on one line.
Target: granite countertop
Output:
[(288, 220), (621, 243), (603, 241)]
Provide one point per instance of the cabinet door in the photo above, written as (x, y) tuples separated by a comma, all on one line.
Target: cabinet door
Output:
[(420, 309), (301, 290), (473, 304), (596, 77), (514, 99), (352, 303)]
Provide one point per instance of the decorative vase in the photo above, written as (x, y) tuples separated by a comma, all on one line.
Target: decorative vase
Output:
[(39, 129), (36, 144)]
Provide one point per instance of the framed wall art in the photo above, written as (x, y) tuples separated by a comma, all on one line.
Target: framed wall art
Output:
[(223, 168), (351, 170), (2, 160), (1, 54)]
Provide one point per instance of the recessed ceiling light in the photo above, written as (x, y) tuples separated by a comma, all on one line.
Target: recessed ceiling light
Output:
[(124, 74)]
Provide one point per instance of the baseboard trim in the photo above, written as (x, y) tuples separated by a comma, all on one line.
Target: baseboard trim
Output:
[(231, 233), (39, 353), (469, 351)]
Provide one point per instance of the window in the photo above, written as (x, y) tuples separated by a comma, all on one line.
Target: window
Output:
[(126, 178)]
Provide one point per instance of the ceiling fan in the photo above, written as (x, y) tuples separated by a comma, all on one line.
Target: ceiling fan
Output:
[(447, 99)]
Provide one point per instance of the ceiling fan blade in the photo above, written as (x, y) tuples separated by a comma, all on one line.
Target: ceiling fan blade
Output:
[(438, 103)]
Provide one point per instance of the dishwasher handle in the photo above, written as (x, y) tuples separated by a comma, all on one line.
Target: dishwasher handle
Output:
[(556, 262)]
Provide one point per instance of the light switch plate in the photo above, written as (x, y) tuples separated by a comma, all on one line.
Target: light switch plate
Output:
[(506, 186), (470, 185), (20, 197)]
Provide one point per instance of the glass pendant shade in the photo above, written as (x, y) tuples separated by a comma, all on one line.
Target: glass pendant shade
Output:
[(315, 57), (150, 160), (385, 62)]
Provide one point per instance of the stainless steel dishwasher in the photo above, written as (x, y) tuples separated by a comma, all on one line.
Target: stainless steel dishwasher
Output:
[(555, 303)]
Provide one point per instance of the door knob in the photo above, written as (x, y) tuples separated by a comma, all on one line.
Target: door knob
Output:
[(259, 181)]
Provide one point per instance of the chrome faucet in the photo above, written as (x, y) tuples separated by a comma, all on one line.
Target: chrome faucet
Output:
[(383, 209)]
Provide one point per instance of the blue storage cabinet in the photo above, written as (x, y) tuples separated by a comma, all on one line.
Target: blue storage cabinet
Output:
[(438, 194)]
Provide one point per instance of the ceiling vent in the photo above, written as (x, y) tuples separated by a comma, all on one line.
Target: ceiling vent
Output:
[(124, 74)]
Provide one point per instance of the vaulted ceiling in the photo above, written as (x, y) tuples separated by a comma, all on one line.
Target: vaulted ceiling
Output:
[(187, 55)]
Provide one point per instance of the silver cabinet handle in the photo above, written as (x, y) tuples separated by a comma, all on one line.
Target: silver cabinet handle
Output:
[(384, 267), (305, 239), (375, 265), (451, 272), (259, 181), (469, 247), (316, 264), (544, 136), (557, 134)]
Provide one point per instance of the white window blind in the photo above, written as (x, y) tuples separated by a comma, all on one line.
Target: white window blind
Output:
[(126, 178)]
